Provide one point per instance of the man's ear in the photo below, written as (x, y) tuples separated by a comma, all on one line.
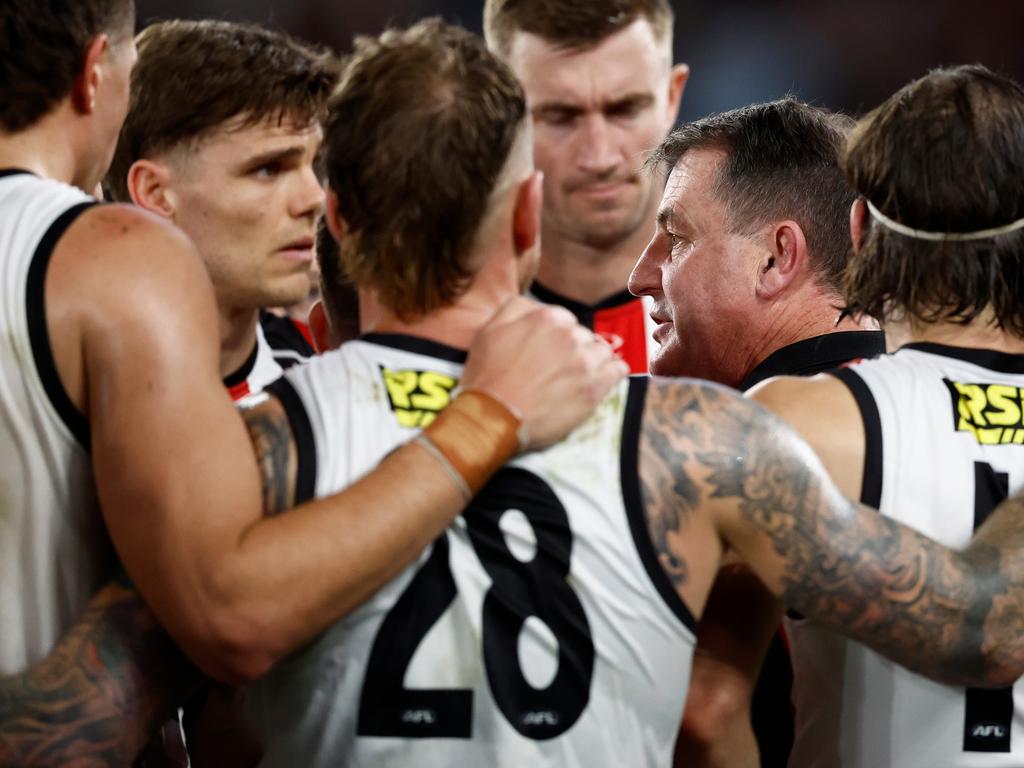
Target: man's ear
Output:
[(335, 223), (676, 85), (526, 214), (149, 187), (858, 222), (87, 83), (785, 258)]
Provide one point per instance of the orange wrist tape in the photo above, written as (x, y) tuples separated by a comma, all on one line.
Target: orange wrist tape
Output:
[(476, 434)]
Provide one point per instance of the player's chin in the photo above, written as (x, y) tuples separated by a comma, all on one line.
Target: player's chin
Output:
[(286, 291)]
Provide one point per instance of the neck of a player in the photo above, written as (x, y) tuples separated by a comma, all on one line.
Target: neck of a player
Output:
[(457, 324), (981, 333), (794, 318), (237, 337), (47, 149), (586, 274)]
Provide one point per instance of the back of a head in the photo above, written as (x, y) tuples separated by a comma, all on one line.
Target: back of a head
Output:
[(783, 163), (193, 77), (417, 136), (570, 24), (44, 48), (945, 154)]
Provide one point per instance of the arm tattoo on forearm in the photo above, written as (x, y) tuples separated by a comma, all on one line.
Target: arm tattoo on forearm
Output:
[(863, 574), (100, 694), (272, 441)]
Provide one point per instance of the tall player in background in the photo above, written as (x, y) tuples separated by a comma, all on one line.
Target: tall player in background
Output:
[(602, 93), (111, 399), (221, 136), (933, 434), (552, 624)]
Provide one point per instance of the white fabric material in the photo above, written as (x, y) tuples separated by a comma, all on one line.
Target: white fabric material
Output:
[(308, 708), (855, 709), (53, 550)]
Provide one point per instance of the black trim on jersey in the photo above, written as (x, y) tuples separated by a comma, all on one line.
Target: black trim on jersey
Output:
[(1004, 362), (302, 431), (633, 498), (584, 312), (871, 484), (287, 344), (816, 355), (4, 172), (417, 345), (39, 334), (240, 375)]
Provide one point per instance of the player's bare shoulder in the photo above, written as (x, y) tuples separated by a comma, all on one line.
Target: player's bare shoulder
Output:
[(825, 411)]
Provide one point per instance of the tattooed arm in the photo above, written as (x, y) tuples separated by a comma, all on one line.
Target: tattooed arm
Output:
[(100, 694), (719, 471), (276, 453)]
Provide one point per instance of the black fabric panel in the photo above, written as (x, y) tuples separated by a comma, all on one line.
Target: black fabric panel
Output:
[(633, 498), (871, 485), (39, 335), (417, 345), (302, 431)]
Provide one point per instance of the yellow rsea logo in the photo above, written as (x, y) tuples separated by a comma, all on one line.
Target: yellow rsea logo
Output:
[(993, 413), (417, 396)]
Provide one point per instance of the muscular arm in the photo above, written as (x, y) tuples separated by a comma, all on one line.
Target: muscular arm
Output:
[(134, 327), (716, 468), (100, 694), (742, 615)]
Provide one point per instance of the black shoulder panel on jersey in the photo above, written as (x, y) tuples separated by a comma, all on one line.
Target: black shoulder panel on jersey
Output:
[(302, 430), (39, 335), (871, 484), (629, 474)]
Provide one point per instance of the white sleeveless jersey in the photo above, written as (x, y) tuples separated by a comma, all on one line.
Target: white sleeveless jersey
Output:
[(537, 631), (256, 372), (945, 444), (53, 548)]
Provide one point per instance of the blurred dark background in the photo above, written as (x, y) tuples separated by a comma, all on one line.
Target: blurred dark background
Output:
[(843, 54)]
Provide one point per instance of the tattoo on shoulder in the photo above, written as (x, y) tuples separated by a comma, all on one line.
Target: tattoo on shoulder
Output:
[(274, 444), (851, 568)]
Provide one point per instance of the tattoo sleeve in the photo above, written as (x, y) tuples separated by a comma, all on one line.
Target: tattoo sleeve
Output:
[(272, 440), (100, 694), (956, 617)]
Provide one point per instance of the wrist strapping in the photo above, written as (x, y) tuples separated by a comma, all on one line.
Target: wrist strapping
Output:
[(476, 434)]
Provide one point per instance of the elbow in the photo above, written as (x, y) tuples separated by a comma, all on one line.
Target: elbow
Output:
[(234, 642), (715, 718), (234, 650)]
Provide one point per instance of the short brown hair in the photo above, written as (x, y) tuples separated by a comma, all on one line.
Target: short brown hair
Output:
[(417, 135), (44, 47), (570, 23), (192, 77), (783, 163), (945, 154)]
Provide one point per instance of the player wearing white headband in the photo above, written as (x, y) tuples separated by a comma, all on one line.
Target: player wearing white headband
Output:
[(933, 434)]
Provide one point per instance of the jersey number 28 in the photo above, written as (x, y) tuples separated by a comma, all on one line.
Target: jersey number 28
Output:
[(518, 591)]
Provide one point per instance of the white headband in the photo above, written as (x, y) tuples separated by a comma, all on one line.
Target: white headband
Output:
[(952, 237)]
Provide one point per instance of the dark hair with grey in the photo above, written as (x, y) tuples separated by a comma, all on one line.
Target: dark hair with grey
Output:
[(44, 47), (783, 163), (943, 154)]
